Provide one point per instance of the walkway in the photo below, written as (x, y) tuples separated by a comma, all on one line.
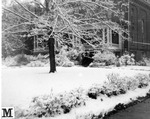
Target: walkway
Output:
[(139, 111)]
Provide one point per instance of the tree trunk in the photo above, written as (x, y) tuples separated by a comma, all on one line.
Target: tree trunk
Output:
[(51, 43)]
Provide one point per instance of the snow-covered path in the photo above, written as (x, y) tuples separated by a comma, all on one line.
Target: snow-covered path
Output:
[(20, 85)]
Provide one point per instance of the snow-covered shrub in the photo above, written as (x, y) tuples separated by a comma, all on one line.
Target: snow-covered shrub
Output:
[(29, 60), (147, 61), (17, 60), (36, 64), (118, 85), (95, 91), (68, 64), (37, 61), (96, 64), (127, 59), (73, 99), (75, 56), (9, 61), (21, 59), (20, 113), (72, 54), (52, 105), (43, 58), (131, 83), (115, 85), (31, 57), (106, 57), (143, 80), (62, 58), (58, 60), (39, 57), (143, 62), (138, 81)]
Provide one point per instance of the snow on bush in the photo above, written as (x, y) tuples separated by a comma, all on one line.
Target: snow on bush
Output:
[(38, 61), (9, 61), (143, 80), (72, 54), (17, 60), (104, 58), (62, 60), (65, 58), (53, 105), (147, 61), (29, 60), (144, 62), (127, 59), (36, 64), (116, 85)]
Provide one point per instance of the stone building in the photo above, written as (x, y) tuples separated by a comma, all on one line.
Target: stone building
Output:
[(139, 16)]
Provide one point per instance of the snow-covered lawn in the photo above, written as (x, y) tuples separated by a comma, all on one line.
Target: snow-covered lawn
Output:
[(20, 85)]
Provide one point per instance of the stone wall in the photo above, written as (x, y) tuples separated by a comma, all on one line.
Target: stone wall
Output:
[(140, 28)]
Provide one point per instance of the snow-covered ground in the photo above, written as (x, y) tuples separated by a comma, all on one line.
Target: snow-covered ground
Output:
[(20, 85), (98, 107)]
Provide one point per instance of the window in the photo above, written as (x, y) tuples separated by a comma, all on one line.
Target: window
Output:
[(126, 45), (115, 38), (105, 33), (142, 26)]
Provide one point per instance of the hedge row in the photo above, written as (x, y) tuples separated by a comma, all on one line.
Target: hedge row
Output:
[(53, 105), (118, 85), (36, 61)]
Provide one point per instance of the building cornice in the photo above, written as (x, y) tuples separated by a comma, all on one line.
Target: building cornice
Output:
[(143, 3)]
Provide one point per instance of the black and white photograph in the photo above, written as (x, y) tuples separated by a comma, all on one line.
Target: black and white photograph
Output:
[(75, 59)]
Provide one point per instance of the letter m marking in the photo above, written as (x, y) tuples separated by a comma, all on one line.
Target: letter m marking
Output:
[(7, 112)]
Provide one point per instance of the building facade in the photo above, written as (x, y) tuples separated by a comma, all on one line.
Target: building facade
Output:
[(139, 31), (139, 16)]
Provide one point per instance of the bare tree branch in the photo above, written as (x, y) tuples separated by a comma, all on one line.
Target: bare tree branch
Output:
[(90, 2), (55, 23), (16, 14), (26, 9), (63, 28), (75, 32), (16, 32), (11, 27)]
